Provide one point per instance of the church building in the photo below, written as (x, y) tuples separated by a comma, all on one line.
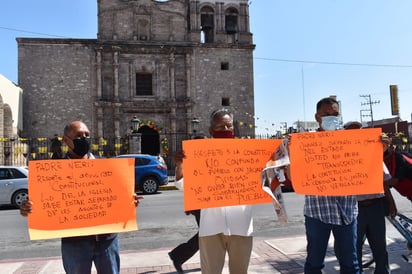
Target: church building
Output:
[(169, 63)]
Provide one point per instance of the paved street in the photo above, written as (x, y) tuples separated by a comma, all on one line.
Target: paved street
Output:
[(280, 252)]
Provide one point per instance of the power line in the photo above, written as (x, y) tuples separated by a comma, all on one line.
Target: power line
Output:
[(259, 58), (31, 32), (368, 103), (333, 63)]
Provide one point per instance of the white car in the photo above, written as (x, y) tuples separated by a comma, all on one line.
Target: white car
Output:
[(13, 185)]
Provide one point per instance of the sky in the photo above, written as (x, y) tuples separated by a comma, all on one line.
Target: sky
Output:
[(305, 50)]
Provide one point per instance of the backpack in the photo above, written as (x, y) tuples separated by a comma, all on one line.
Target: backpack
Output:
[(404, 165), (400, 167)]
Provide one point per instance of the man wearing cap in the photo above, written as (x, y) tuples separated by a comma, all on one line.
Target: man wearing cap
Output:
[(352, 125)]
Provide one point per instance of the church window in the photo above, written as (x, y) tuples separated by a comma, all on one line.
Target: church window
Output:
[(207, 24), (225, 101), (231, 17), (144, 84), (224, 66)]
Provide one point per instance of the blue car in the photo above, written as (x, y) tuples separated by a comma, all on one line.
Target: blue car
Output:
[(150, 172)]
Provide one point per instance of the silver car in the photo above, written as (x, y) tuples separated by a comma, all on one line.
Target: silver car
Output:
[(13, 185)]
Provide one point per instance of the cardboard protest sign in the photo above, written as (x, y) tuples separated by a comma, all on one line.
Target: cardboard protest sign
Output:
[(224, 172), (81, 197), (273, 176), (335, 163)]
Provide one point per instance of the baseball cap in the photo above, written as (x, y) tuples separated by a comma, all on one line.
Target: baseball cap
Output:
[(352, 125)]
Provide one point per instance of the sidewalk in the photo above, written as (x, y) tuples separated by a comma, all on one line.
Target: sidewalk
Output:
[(269, 255), (282, 255)]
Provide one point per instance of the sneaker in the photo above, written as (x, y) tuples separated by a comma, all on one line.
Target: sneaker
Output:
[(177, 266)]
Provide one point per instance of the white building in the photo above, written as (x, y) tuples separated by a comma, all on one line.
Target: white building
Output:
[(11, 108)]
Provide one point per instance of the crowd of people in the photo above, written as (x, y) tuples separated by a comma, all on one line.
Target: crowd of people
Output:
[(228, 230)]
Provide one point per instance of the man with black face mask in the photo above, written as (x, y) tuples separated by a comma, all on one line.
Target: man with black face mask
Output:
[(78, 253), (77, 138)]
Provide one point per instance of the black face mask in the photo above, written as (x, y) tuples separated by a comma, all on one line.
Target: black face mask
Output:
[(81, 146)]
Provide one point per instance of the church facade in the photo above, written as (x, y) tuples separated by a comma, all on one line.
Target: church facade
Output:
[(168, 63)]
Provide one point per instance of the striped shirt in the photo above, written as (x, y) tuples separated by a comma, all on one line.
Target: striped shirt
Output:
[(337, 210)]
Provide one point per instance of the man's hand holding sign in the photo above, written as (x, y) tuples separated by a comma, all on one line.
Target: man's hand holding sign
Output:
[(81, 197), (335, 163), (223, 172)]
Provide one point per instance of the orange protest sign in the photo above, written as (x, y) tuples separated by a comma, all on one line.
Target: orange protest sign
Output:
[(224, 172), (81, 197), (335, 163)]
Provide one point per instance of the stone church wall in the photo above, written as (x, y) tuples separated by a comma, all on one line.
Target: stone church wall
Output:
[(214, 85), (94, 80), (57, 77)]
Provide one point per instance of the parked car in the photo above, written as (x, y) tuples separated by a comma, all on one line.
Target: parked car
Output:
[(13, 185), (150, 172)]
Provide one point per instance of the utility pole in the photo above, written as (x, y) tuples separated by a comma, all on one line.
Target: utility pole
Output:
[(369, 107), (362, 115)]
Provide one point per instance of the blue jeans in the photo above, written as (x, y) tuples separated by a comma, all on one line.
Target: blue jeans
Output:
[(371, 222), (317, 236), (79, 253)]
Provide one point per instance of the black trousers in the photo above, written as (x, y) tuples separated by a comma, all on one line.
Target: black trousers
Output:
[(185, 251)]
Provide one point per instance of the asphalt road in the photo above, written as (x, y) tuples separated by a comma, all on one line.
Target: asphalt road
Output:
[(162, 223)]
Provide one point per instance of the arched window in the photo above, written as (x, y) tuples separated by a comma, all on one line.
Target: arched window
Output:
[(231, 17), (150, 141), (207, 24)]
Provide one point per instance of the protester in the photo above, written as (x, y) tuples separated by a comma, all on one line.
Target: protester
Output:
[(326, 214), (371, 219), (183, 252), (78, 253), (398, 168), (225, 229), (56, 148)]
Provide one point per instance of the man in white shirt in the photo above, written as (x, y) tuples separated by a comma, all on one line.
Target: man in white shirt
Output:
[(225, 229)]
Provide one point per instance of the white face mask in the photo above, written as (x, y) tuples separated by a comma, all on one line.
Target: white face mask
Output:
[(330, 123)]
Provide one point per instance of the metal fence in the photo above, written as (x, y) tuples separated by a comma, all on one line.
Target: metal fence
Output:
[(20, 151)]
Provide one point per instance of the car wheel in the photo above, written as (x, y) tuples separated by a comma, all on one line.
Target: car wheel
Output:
[(149, 185), (18, 197)]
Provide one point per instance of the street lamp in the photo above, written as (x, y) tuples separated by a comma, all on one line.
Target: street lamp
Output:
[(135, 138), (195, 125), (135, 124)]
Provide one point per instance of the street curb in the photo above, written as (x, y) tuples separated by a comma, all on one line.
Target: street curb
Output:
[(169, 186)]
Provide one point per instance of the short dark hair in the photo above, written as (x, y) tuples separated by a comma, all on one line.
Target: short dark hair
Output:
[(67, 129), (199, 136), (325, 101), (219, 113)]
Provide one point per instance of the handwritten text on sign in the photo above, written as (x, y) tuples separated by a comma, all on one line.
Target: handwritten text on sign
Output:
[(343, 162), (223, 172), (73, 194)]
